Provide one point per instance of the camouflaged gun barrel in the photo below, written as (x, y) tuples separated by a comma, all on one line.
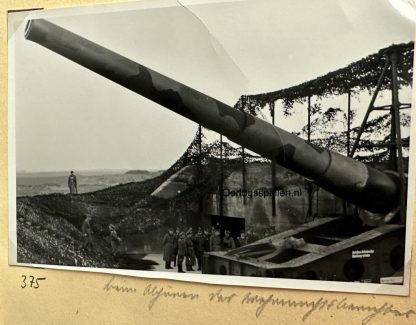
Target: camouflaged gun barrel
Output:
[(370, 189)]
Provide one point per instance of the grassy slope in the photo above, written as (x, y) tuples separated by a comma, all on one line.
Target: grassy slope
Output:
[(48, 226)]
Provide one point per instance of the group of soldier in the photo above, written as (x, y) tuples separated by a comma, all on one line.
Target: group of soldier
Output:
[(185, 245), (181, 245), (177, 246)]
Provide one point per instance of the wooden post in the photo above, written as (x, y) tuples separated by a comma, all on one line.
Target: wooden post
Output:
[(200, 173), (221, 179), (310, 186), (349, 124), (273, 165), (243, 158), (398, 137)]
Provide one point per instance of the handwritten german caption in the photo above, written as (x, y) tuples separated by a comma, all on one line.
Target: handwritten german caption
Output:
[(159, 294)]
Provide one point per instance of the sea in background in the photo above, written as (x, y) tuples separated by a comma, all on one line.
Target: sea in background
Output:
[(39, 183)]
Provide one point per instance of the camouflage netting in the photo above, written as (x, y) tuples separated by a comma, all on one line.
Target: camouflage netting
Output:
[(210, 153), (356, 78)]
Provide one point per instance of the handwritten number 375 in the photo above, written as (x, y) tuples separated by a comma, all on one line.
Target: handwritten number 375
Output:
[(31, 282)]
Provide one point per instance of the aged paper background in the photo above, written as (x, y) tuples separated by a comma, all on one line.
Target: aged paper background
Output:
[(67, 297)]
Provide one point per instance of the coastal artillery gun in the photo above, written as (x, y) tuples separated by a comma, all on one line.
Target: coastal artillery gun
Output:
[(376, 194)]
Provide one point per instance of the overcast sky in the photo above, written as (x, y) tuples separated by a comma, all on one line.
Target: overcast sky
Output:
[(67, 117)]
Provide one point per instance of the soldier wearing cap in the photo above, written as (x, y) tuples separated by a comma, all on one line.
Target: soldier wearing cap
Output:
[(215, 241), (190, 252), (168, 242), (199, 244), (87, 233), (207, 239), (72, 183), (115, 240), (266, 233), (242, 240), (176, 236), (181, 251), (251, 236), (228, 241)]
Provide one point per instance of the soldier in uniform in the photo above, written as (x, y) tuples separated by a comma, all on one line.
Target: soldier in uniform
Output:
[(181, 251), (266, 233), (190, 252), (242, 240), (87, 233), (215, 241), (207, 239), (199, 242), (175, 245), (114, 239), (228, 241), (251, 236), (168, 242), (72, 183)]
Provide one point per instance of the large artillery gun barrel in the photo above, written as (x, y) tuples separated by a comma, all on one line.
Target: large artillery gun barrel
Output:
[(368, 188)]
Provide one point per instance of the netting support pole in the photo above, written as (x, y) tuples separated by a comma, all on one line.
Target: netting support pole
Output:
[(309, 184), (243, 157), (199, 172), (344, 203), (394, 56), (221, 179), (349, 124), (272, 105), (370, 108)]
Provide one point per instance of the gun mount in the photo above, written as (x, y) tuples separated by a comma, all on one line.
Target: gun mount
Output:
[(375, 192)]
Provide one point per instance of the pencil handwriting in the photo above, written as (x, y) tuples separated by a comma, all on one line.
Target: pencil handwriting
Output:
[(159, 293)]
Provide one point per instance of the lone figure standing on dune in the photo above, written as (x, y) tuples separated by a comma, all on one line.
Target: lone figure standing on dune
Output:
[(72, 183)]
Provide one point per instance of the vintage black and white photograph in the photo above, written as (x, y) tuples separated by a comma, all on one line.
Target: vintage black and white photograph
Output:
[(262, 143)]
